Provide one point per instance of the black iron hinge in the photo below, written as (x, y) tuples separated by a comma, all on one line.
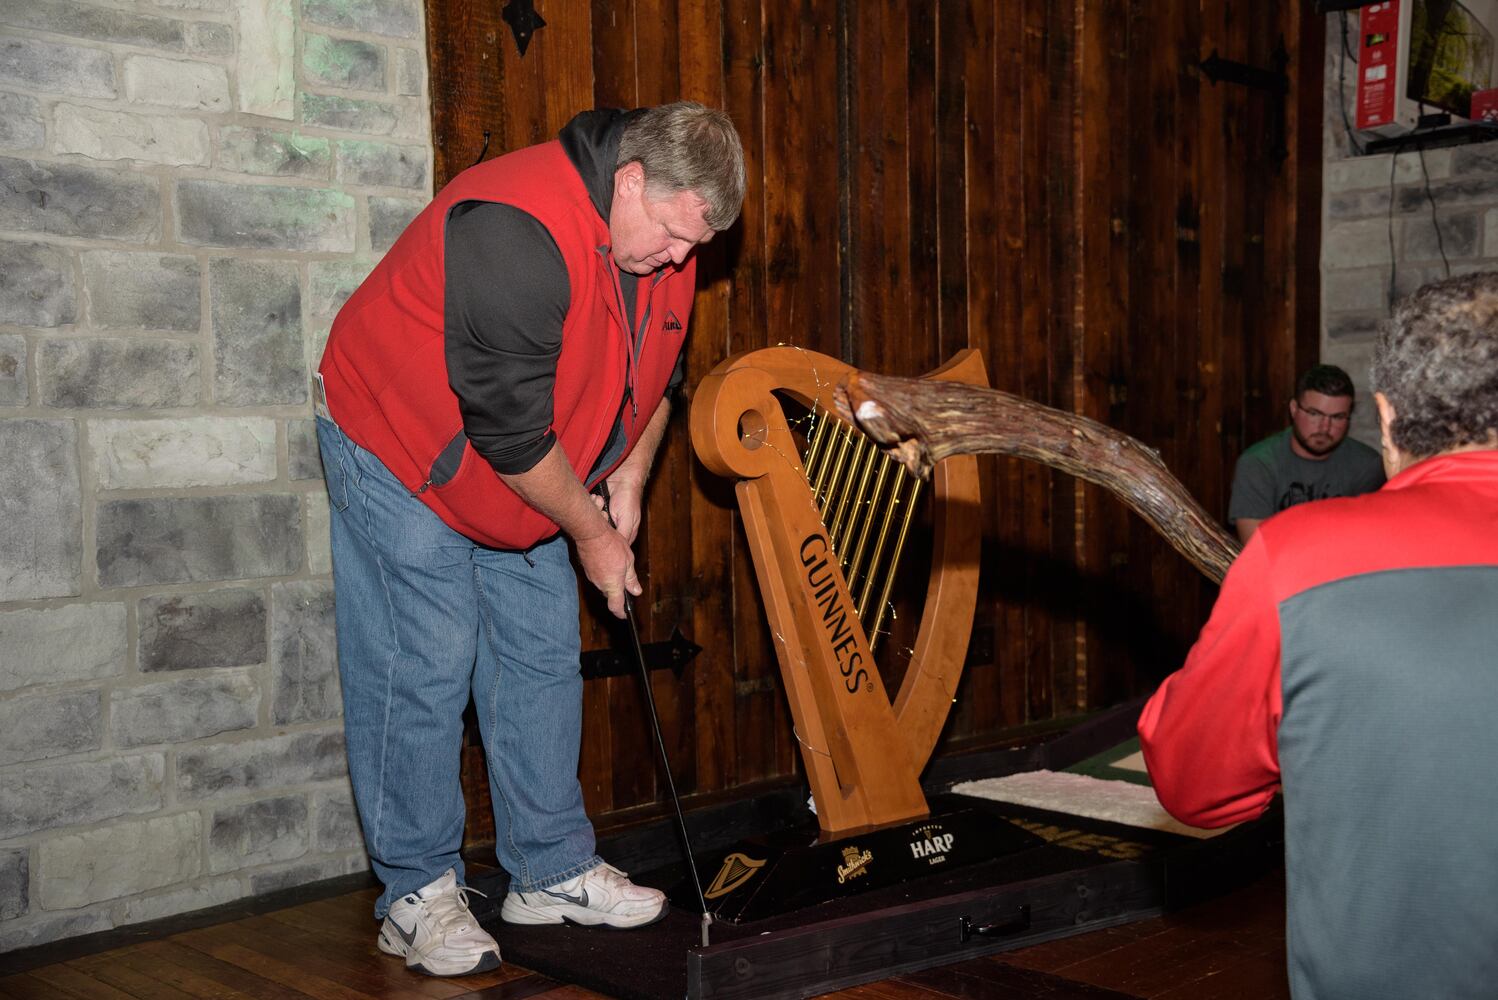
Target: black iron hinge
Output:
[(523, 20), (1276, 82), (673, 654)]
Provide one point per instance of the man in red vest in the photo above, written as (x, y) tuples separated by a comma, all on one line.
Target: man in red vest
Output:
[(513, 351)]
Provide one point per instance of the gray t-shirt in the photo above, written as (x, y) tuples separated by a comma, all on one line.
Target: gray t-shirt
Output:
[(1271, 477)]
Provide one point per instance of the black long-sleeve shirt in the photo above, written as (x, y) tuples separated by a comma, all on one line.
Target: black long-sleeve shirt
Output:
[(507, 296)]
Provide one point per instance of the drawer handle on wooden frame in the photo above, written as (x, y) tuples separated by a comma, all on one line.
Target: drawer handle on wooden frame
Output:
[(1019, 923)]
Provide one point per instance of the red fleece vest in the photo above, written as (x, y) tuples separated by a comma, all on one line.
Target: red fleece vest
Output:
[(386, 375)]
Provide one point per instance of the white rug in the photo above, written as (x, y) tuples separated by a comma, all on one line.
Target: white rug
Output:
[(1115, 801)]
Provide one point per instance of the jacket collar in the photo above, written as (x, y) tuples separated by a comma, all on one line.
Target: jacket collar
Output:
[(591, 142), (1470, 466)]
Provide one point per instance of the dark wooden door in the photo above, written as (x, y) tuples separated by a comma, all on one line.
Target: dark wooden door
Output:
[(1053, 182)]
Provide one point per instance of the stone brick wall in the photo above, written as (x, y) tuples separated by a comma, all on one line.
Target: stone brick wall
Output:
[(1371, 255), (189, 189)]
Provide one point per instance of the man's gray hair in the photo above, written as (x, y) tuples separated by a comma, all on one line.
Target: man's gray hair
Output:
[(684, 146), (1437, 362)]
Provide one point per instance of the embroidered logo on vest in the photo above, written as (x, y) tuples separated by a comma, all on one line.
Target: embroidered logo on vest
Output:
[(672, 324)]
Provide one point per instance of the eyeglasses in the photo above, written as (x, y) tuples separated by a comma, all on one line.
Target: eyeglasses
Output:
[(1315, 414)]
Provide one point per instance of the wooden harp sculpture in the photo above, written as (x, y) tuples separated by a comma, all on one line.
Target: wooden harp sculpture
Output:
[(825, 530)]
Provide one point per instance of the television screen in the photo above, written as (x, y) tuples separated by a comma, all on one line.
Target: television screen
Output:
[(1451, 55)]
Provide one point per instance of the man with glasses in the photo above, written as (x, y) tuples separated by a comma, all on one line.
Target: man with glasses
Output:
[(1312, 459)]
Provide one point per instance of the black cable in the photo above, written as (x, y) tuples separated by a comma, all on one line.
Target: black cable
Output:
[(1430, 196), (1393, 258), (480, 158)]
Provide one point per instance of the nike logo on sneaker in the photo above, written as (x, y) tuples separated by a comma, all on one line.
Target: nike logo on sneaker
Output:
[(408, 936), (581, 899)]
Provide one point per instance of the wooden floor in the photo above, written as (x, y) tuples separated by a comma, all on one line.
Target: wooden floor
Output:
[(1232, 947)]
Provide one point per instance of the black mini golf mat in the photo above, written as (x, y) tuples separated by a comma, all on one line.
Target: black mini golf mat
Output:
[(1071, 876)]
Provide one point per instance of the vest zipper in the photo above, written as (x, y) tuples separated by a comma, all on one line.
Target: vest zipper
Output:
[(645, 323), (629, 354)]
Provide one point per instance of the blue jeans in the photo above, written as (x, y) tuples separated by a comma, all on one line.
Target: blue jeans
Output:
[(425, 619)]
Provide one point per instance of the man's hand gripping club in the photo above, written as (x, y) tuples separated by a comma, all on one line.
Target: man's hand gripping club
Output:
[(607, 559), (622, 510)]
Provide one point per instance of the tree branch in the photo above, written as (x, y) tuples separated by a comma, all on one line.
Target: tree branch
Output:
[(920, 422)]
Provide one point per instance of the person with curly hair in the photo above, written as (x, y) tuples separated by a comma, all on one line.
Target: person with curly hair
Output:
[(1349, 664)]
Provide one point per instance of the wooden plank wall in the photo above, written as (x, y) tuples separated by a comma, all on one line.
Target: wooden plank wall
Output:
[(1053, 182)]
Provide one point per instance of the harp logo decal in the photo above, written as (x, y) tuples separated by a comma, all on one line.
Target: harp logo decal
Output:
[(931, 843), (822, 586), (737, 869), (855, 863)]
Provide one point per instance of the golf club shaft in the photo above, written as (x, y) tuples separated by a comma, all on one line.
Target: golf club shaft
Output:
[(660, 740)]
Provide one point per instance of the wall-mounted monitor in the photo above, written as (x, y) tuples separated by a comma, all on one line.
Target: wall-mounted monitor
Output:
[(1422, 57)]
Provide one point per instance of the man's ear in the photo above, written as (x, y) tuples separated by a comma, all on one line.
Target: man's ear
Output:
[(1394, 459), (629, 178), (1386, 414), (1290, 408)]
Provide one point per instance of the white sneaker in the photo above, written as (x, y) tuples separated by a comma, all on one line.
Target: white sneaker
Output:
[(433, 931), (601, 895)]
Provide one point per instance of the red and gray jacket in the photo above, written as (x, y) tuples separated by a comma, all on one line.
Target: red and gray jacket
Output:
[(1352, 661), (387, 377)]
